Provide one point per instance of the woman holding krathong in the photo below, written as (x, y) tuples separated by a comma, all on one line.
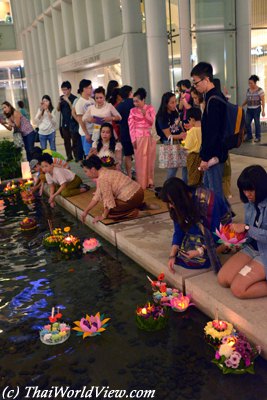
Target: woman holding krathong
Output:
[(196, 213), (245, 272)]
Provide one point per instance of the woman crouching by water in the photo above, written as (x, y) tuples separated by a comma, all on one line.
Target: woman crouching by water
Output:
[(196, 213), (245, 272), (120, 195)]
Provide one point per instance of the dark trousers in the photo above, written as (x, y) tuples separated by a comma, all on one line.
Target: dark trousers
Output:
[(29, 143), (253, 113), (72, 143), (67, 141)]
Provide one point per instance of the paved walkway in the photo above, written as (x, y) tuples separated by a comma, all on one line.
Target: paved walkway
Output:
[(147, 241)]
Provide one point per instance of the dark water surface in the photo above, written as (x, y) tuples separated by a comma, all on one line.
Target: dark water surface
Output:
[(175, 362)]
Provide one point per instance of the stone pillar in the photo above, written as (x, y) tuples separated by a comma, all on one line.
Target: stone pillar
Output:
[(44, 58), (34, 78), (58, 33), (131, 16), (111, 18), (80, 24), (133, 73), (95, 21), (185, 38), (28, 73), (243, 47), (51, 52), (37, 7), (68, 27), (157, 49)]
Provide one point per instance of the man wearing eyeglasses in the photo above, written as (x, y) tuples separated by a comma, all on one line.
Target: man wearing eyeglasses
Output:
[(212, 124)]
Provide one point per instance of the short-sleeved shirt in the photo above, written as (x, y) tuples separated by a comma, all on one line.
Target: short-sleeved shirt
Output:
[(59, 176), (81, 107), (170, 120), (254, 98), (192, 141)]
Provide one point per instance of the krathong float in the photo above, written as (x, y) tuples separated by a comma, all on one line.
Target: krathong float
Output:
[(228, 237), (92, 325), (151, 317), (55, 332), (90, 245), (236, 355)]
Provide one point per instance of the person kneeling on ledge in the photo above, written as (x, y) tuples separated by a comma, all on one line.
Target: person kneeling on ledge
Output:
[(60, 180), (121, 196), (245, 272)]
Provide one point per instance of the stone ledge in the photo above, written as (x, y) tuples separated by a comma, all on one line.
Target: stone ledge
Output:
[(248, 316)]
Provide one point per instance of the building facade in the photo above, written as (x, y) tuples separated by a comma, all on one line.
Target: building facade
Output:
[(149, 43)]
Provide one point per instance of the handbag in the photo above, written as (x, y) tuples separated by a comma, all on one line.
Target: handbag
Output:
[(172, 155), (17, 138)]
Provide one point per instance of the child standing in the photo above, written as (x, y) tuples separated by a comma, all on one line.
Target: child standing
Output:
[(192, 144)]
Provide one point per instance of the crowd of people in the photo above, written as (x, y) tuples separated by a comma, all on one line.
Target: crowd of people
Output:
[(105, 130)]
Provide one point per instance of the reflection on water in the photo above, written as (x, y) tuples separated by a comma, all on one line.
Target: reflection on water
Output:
[(174, 362)]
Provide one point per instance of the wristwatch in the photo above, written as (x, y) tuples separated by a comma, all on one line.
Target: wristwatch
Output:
[(246, 228)]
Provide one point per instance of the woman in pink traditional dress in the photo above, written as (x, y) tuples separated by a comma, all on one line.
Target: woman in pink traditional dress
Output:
[(141, 120)]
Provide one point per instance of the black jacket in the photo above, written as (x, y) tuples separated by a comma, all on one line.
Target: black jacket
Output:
[(212, 125)]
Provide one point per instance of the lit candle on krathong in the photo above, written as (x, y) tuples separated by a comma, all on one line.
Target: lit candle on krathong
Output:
[(231, 341), (219, 325), (26, 170), (144, 311), (180, 303)]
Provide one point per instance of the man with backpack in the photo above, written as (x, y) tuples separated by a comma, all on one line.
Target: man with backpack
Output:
[(213, 152)]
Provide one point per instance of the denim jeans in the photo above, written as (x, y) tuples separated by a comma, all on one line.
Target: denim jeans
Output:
[(171, 172), (51, 138), (86, 146), (253, 113), (29, 143), (213, 179)]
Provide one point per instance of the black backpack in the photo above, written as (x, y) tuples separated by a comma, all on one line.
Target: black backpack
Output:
[(234, 129)]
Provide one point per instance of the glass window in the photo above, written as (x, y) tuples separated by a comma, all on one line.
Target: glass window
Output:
[(219, 50), (173, 41), (5, 12), (259, 42), (212, 14)]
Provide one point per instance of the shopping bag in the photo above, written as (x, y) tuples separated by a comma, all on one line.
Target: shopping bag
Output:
[(171, 155)]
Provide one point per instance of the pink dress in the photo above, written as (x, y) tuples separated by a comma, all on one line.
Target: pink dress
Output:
[(144, 144)]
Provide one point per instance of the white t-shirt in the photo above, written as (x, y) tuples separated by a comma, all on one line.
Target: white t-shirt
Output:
[(45, 122), (59, 176), (108, 110), (81, 107)]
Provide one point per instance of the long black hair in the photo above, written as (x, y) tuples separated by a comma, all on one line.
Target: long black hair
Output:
[(112, 140), (12, 109), (181, 205), (253, 177), (50, 107), (163, 108)]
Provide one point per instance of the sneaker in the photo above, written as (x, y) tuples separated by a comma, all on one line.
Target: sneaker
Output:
[(69, 159), (257, 140), (248, 140)]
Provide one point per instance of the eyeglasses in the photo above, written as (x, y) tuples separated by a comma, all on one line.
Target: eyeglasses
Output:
[(196, 83)]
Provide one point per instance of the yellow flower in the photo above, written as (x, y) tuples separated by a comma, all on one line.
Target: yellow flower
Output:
[(67, 229), (210, 330)]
